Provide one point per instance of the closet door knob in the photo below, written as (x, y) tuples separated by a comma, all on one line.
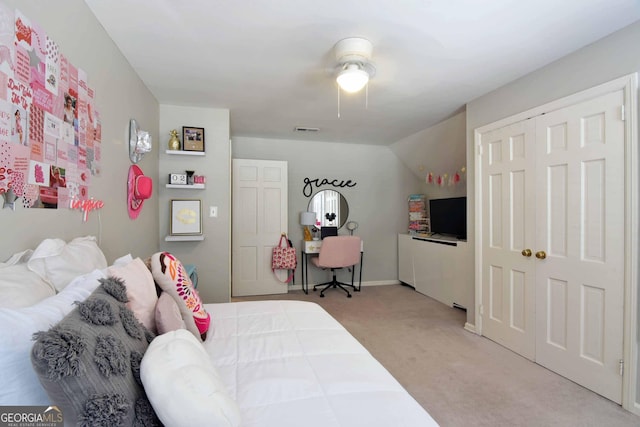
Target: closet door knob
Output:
[(541, 255), (526, 252)]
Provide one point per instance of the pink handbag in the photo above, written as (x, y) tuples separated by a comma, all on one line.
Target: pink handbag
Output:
[(284, 257)]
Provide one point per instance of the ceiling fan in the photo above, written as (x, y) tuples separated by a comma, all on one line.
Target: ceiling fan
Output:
[(354, 67)]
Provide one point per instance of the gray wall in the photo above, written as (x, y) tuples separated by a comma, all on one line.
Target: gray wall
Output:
[(605, 60), (378, 202), (120, 95), (212, 255), (439, 149)]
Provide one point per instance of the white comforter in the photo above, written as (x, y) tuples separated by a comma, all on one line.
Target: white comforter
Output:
[(289, 363)]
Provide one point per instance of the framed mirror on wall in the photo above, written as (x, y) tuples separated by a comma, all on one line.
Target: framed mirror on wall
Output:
[(331, 208)]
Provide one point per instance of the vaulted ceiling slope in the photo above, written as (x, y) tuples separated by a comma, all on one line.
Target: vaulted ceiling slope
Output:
[(270, 62)]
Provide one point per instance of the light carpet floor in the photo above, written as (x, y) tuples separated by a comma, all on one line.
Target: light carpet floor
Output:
[(460, 378)]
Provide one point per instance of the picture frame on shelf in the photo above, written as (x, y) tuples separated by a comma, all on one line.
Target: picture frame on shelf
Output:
[(192, 139), (185, 217)]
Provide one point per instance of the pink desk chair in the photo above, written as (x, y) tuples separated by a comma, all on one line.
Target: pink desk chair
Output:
[(338, 252)]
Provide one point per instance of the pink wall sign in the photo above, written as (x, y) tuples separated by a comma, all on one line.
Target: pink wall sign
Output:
[(86, 206)]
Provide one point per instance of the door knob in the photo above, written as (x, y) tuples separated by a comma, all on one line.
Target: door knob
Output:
[(526, 252), (541, 255)]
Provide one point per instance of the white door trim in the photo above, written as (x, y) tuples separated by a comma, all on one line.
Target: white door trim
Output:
[(630, 377), (629, 85)]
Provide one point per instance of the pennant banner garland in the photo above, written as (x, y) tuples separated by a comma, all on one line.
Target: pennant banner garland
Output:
[(449, 179)]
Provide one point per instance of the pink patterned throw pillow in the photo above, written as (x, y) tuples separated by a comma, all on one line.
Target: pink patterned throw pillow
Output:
[(171, 276)]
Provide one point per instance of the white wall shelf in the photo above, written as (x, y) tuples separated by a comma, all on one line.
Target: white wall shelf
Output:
[(195, 238), (184, 153), (186, 186)]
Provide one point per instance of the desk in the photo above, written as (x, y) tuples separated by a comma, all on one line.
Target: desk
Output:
[(312, 247)]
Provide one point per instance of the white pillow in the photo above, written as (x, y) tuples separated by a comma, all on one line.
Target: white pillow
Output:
[(182, 384), (168, 316), (59, 263), (141, 291), (18, 258), (123, 260), (20, 384), (20, 287)]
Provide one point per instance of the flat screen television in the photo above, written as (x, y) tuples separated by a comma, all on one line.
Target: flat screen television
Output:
[(448, 217)]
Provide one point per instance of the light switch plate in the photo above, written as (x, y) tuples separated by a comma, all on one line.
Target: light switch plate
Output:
[(213, 211)]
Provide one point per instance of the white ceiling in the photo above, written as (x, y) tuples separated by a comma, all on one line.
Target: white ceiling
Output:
[(270, 61)]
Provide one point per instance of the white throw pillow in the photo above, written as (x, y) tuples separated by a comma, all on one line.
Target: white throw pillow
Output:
[(20, 257), (168, 316), (141, 291), (182, 384), (123, 260), (59, 263), (20, 287), (20, 384)]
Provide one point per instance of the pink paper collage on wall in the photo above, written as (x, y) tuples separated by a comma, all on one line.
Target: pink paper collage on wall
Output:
[(50, 131)]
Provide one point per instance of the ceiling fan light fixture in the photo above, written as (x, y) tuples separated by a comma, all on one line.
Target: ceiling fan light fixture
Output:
[(352, 78)]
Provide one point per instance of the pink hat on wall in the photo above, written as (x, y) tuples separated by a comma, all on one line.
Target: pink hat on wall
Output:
[(139, 188)]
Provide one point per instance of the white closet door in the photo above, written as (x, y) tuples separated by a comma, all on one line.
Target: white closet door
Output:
[(555, 185), (508, 226), (580, 226), (259, 202)]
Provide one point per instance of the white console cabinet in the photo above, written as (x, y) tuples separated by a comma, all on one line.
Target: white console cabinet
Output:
[(405, 260), (441, 269)]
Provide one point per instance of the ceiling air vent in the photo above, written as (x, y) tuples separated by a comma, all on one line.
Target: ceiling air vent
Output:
[(305, 129)]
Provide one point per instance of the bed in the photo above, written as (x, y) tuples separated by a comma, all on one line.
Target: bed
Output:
[(289, 363), (259, 363)]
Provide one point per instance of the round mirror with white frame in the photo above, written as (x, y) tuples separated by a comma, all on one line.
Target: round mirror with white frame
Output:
[(328, 204)]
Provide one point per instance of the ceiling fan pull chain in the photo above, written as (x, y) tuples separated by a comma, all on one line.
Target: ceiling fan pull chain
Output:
[(338, 101), (366, 96)]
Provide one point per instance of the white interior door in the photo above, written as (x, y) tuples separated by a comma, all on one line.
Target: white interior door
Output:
[(580, 227), (555, 185), (508, 295), (259, 216)]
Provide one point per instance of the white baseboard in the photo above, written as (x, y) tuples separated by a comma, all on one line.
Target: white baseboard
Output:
[(469, 327), (298, 287), (381, 282)]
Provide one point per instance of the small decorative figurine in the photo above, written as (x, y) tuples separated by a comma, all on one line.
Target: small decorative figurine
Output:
[(174, 142), (9, 199), (190, 177), (307, 234), (330, 217)]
